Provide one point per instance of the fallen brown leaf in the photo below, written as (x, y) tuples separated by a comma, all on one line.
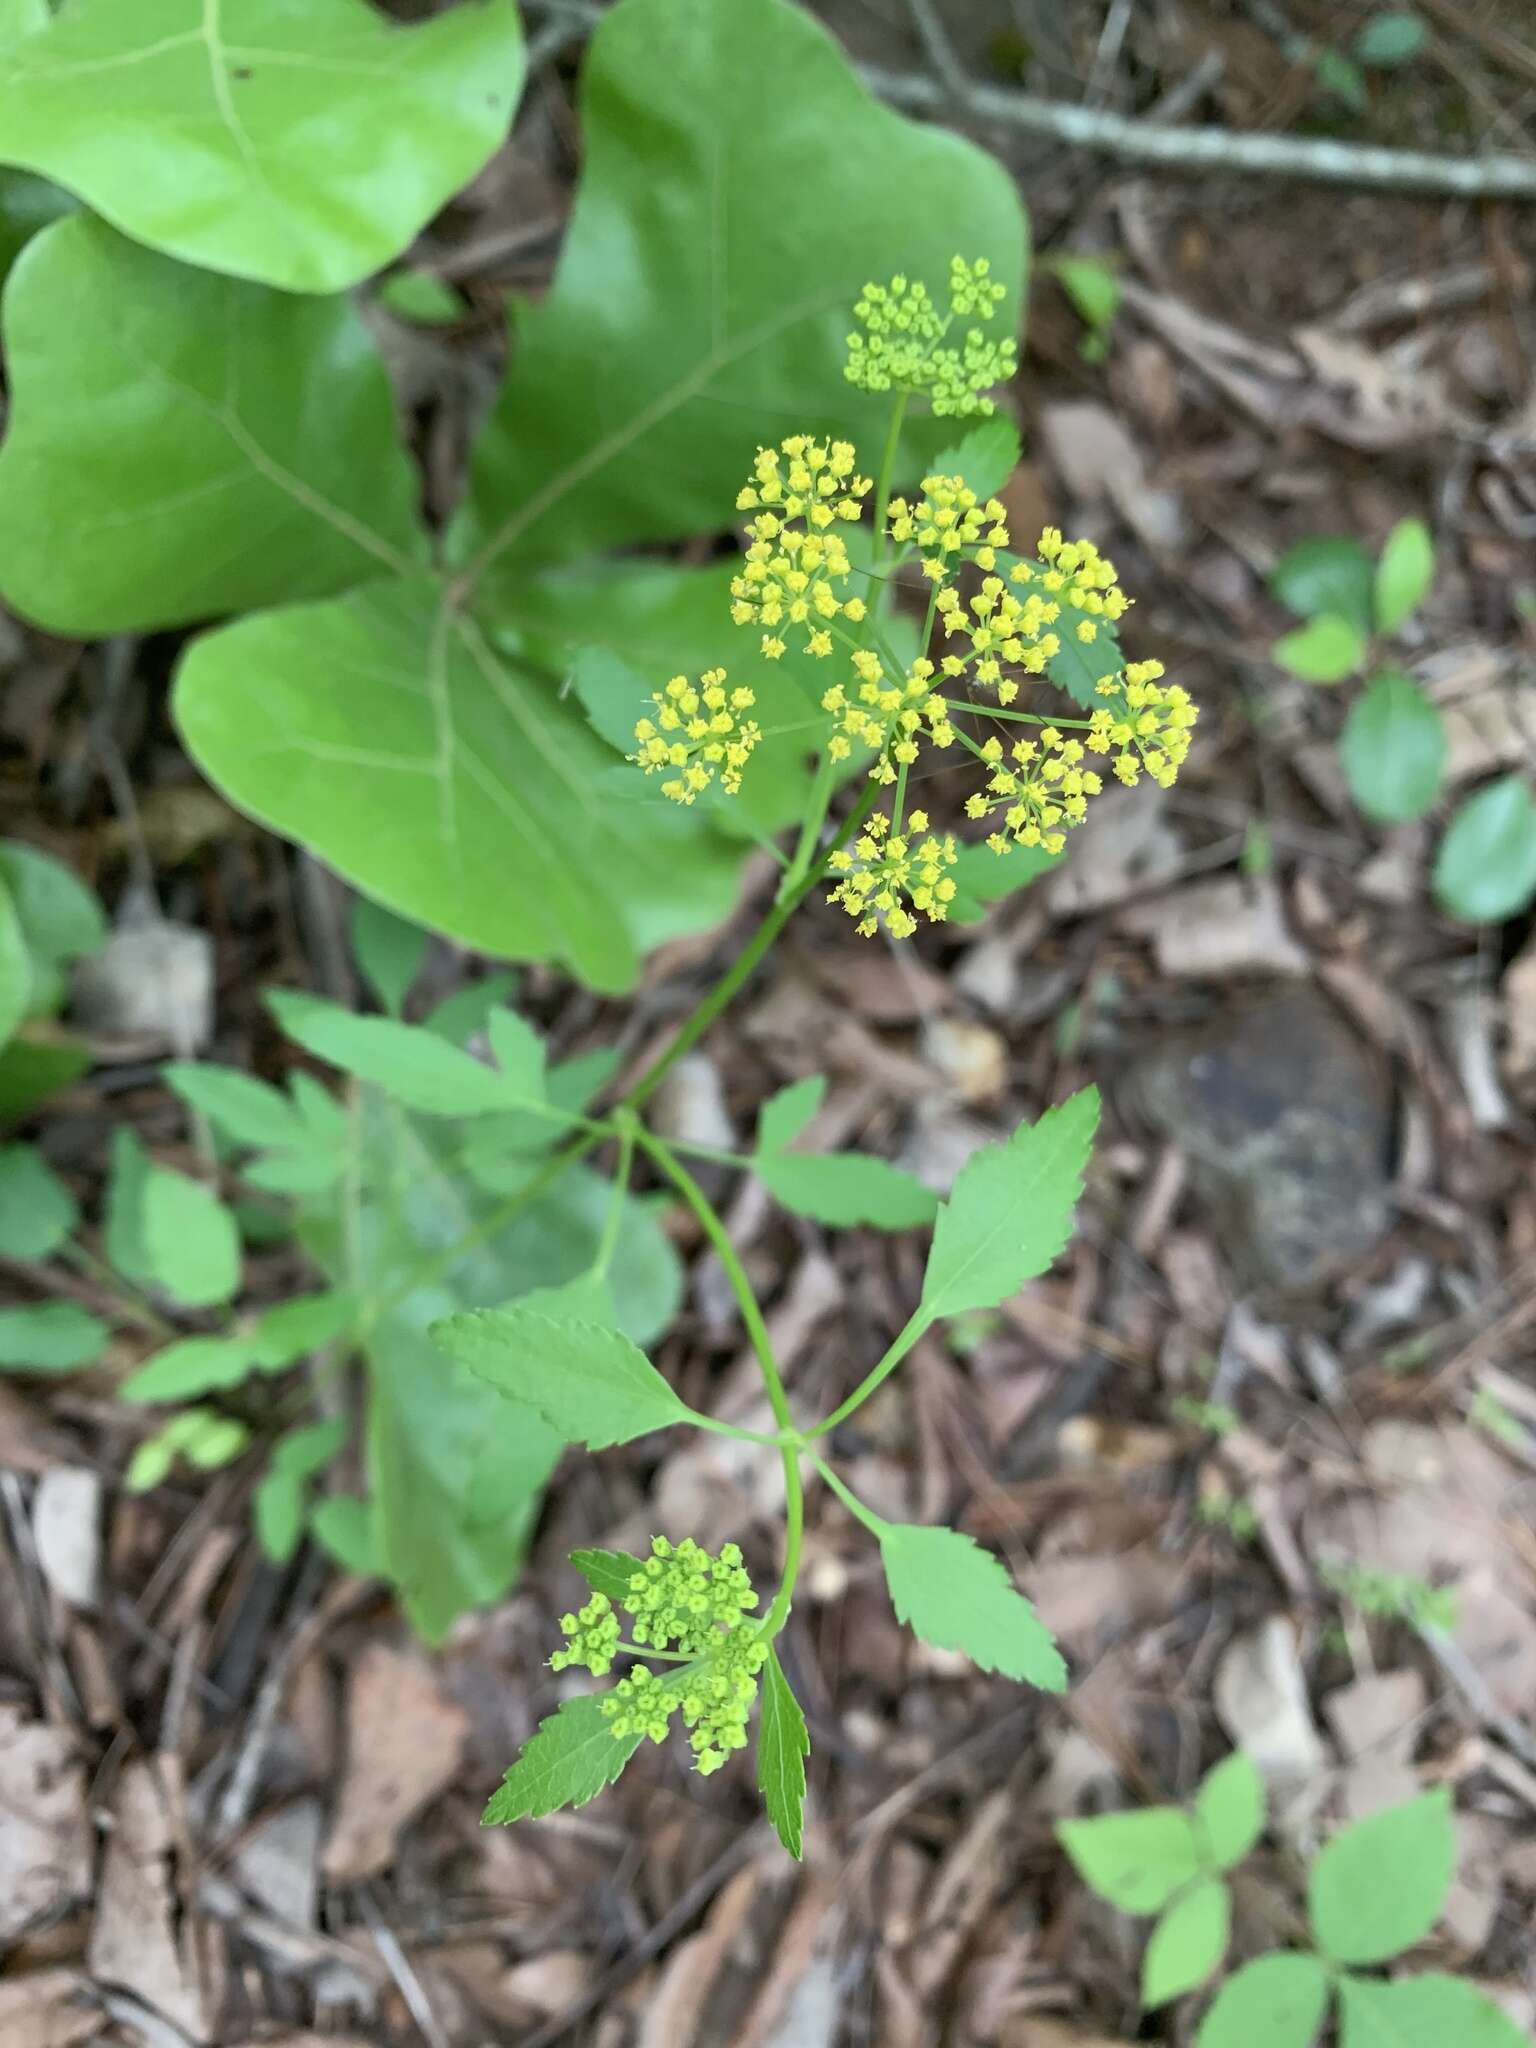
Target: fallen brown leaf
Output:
[(45, 1846), (404, 1741)]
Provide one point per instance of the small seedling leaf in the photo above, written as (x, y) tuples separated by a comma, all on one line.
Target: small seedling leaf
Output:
[(1229, 1810), (1325, 650), (1277, 2001), (1404, 574), (1135, 1861), (1381, 1883), (1393, 748), (1485, 870), (1187, 1943)]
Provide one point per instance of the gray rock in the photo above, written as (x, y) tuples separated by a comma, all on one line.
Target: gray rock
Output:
[(1286, 1119)]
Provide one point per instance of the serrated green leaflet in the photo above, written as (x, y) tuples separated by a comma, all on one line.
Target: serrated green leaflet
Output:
[(591, 1385), (986, 456), (242, 1108), (37, 1211), (1229, 1810), (1187, 1943), (842, 1189), (1136, 1861), (1393, 748), (574, 1755), (726, 221), (301, 142), (473, 802), (1380, 1884), (1430, 2011), (607, 1571), (783, 1745), (417, 1067), (181, 445), (1011, 1210), (50, 1336), (1276, 2002), (959, 1597)]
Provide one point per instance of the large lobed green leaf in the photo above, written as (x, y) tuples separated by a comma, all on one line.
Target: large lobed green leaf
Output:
[(301, 142), (740, 187), (181, 445)]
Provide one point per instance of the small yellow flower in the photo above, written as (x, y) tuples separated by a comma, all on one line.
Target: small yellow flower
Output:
[(700, 733), (885, 871), (796, 563)]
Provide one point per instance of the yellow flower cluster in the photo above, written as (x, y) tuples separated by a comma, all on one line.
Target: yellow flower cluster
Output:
[(699, 731), (1145, 726), (1041, 795), (885, 715), (796, 561), (882, 867), (1076, 574), (949, 523)]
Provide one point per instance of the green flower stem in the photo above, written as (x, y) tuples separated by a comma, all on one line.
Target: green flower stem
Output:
[(916, 1324), (968, 710), (794, 1536), (613, 1221), (847, 1496), (887, 471)]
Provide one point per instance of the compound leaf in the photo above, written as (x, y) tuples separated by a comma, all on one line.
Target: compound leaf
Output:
[(1187, 1943), (728, 216), (1010, 1212), (1135, 1861), (1229, 1810), (957, 1596), (783, 1744), (460, 767), (572, 1758), (1431, 2011), (1380, 1884), (1276, 2001), (304, 145), (590, 1384)]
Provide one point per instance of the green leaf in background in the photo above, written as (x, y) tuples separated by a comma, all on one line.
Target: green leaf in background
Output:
[(1325, 650), (785, 1114), (347, 1530), (1095, 292), (1187, 1943), (279, 1502), (304, 146), (60, 919), (957, 1596), (844, 1189), (1341, 79), (783, 1744), (740, 187), (1010, 1212), (20, 18), (1428, 2011), (389, 951), (421, 298), (15, 966), (27, 206), (1485, 870), (1393, 748), (1329, 573), (1404, 574), (412, 1064), (1277, 2001), (33, 1066), (1380, 1884), (123, 1218), (1390, 39), (294, 1329), (50, 1336), (986, 456), (607, 1571), (181, 445), (572, 1758), (191, 1242), (1134, 1861), (241, 1108), (473, 801), (591, 1385), (1229, 1810), (189, 1367), (37, 1211)]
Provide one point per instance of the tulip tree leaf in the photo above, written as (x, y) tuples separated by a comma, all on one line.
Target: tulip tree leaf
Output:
[(303, 143), (181, 444), (472, 795), (740, 187)]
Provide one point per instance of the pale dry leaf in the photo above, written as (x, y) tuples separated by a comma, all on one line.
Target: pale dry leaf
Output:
[(972, 1058), (1210, 931), (1358, 396), (277, 1862), (140, 1940), (675, 2011), (150, 989), (1126, 845), (404, 1741), (1096, 456), (1261, 1697), (66, 1528), (45, 1844), (46, 2009)]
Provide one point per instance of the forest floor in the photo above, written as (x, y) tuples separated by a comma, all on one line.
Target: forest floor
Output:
[(1297, 1324)]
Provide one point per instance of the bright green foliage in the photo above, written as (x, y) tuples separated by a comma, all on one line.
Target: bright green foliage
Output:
[(905, 341), (279, 1505), (1187, 1943), (1330, 575), (1430, 2011), (1229, 1811), (1391, 1596), (1277, 2001), (1485, 870), (1379, 1885), (191, 1366), (1325, 650), (1010, 1212), (388, 951), (1389, 39), (58, 919), (572, 1758), (1404, 574), (1095, 292), (740, 184), (206, 1439), (982, 877), (957, 1596), (190, 1241), (418, 1068), (1136, 1861), (1393, 749), (840, 1189), (15, 968), (293, 1329), (50, 1336), (206, 445), (783, 1744), (986, 456), (591, 1385), (301, 144), (607, 1571), (240, 1107), (37, 1211)]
